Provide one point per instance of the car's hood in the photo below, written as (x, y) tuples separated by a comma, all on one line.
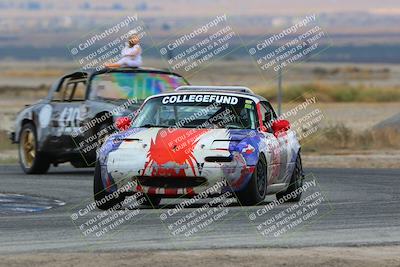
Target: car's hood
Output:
[(170, 138), (179, 152), (178, 145)]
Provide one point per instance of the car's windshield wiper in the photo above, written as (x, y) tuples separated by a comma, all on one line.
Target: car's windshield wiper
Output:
[(234, 128), (149, 125)]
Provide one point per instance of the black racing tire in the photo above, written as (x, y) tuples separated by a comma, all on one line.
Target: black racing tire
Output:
[(104, 131), (101, 132), (100, 194), (80, 164), (296, 181), (256, 189), (31, 160), (152, 201)]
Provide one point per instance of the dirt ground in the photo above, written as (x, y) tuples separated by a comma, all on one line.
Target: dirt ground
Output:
[(353, 159), (315, 256)]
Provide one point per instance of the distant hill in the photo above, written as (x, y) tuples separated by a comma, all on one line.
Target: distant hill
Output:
[(335, 53), (359, 30)]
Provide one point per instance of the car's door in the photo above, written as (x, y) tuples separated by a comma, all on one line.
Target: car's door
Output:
[(277, 145), (65, 118)]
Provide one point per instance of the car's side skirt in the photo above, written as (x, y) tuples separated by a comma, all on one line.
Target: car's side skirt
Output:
[(274, 188)]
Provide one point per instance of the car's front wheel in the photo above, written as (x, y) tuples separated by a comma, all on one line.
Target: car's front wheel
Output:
[(256, 189), (30, 159), (103, 199), (152, 201)]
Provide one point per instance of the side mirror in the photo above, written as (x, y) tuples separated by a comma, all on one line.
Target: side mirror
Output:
[(280, 126), (123, 123)]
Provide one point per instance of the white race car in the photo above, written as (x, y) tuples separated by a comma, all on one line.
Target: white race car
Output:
[(184, 142)]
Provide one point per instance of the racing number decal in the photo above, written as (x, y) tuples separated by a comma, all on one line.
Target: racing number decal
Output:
[(69, 118)]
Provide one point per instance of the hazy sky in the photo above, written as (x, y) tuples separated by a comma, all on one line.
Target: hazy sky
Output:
[(233, 7)]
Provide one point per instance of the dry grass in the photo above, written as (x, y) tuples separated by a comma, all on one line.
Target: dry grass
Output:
[(21, 92), (5, 142), (33, 73), (334, 93), (352, 72), (340, 137)]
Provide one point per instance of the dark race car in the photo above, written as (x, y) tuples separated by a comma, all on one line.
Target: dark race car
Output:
[(80, 110)]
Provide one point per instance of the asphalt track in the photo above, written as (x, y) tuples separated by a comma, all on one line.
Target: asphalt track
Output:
[(359, 207)]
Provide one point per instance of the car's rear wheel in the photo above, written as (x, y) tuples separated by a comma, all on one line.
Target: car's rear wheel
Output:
[(103, 199), (30, 159), (256, 189), (296, 182)]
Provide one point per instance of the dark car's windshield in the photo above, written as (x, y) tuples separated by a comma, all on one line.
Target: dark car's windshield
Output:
[(198, 110), (132, 85)]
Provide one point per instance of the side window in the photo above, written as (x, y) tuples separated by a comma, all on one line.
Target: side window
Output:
[(71, 89), (267, 114), (64, 91), (263, 111), (78, 93)]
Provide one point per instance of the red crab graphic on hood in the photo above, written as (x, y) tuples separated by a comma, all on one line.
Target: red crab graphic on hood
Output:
[(171, 152)]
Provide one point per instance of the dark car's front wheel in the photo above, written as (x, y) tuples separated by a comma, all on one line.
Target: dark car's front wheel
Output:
[(256, 189), (30, 159), (103, 199)]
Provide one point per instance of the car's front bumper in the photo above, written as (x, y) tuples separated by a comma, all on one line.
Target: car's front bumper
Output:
[(221, 178)]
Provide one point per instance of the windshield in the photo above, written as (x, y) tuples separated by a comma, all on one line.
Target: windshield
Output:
[(198, 111), (130, 85)]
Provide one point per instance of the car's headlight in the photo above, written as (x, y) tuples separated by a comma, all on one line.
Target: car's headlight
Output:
[(220, 145)]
